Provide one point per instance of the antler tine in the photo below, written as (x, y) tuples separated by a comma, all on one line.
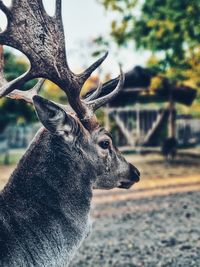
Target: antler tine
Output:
[(58, 12), (97, 103), (89, 120), (27, 95), (16, 83), (73, 92), (4, 8), (18, 94), (87, 73), (96, 93), (7, 87)]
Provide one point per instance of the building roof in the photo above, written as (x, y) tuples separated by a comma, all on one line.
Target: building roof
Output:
[(137, 82)]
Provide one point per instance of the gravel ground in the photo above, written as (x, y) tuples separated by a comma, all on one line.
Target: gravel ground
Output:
[(150, 232)]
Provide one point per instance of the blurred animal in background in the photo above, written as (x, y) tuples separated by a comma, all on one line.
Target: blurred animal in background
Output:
[(169, 148)]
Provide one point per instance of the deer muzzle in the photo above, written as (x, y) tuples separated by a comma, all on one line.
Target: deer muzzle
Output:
[(134, 177)]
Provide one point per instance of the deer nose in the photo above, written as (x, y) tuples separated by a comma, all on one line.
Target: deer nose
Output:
[(135, 174)]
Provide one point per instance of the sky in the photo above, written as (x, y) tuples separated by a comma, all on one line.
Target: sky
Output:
[(83, 21)]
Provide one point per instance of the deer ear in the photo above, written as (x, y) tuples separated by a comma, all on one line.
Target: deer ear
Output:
[(53, 117)]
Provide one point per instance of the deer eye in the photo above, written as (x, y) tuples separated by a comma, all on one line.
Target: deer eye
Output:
[(104, 144)]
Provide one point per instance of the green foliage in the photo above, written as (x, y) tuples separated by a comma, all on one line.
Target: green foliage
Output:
[(118, 5), (11, 158), (13, 110), (169, 29), (167, 26), (120, 28), (100, 116)]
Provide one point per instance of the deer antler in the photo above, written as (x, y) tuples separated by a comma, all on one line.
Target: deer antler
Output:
[(18, 94), (41, 38)]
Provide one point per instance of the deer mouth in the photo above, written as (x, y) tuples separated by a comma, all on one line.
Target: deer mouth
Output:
[(135, 178), (127, 184)]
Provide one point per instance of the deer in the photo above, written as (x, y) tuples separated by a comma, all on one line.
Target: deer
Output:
[(46, 204)]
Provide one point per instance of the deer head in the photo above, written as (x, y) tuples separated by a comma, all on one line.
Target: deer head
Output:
[(73, 129)]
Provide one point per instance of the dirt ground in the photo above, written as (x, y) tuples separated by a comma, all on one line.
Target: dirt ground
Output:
[(154, 224)]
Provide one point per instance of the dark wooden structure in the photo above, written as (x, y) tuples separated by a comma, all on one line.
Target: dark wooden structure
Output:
[(146, 123)]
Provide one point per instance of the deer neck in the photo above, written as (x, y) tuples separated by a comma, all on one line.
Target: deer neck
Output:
[(46, 177), (48, 202)]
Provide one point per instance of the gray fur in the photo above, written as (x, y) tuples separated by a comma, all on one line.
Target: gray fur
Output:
[(45, 206)]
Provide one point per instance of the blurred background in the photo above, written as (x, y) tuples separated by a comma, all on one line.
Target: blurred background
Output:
[(155, 122)]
